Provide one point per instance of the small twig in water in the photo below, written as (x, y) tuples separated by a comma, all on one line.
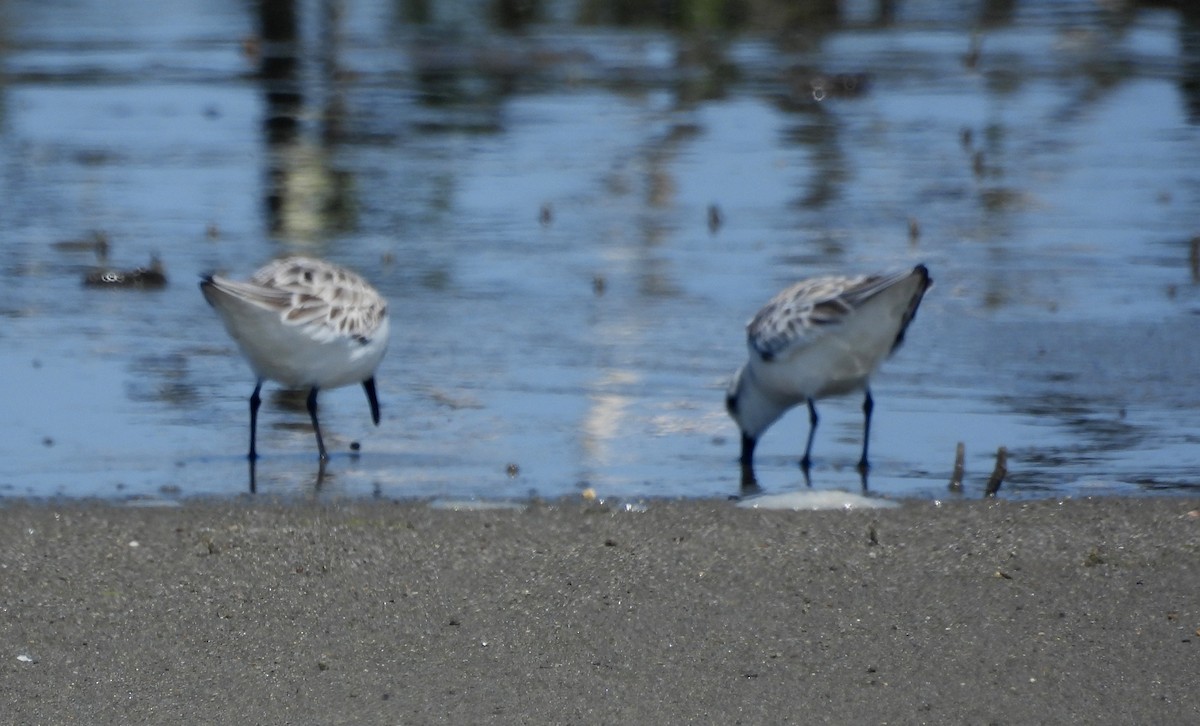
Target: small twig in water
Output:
[(998, 473), (957, 477)]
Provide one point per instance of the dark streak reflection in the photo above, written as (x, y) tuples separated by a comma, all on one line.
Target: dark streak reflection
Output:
[(306, 195), (1189, 50), (278, 24)]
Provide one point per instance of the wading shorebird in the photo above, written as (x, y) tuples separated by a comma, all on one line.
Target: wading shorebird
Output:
[(821, 337), (307, 324)]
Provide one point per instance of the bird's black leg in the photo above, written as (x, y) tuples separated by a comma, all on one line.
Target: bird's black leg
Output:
[(312, 412), (806, 462), (369, 387), (255, 402), (867, 407)]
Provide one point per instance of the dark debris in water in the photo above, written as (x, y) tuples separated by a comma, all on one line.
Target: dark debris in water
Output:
[(153, 277), (998, 474), (956, 478)]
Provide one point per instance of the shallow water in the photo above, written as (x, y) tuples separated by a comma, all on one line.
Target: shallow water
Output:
[(535, 203)]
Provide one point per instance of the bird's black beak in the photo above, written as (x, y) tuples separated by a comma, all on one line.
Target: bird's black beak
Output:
[(749, 480), (748, 444), (369, 387)]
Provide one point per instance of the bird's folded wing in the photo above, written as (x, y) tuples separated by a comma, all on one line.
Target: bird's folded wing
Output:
[(248, 292), (799, 315)]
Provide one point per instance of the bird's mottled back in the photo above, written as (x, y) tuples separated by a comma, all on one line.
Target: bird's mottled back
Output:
[(319, 293), (803, 312)]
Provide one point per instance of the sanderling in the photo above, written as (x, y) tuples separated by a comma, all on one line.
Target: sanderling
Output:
[(821, 337), (304, 323)]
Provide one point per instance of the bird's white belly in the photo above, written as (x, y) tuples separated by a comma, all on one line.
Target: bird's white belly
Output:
[(817, 372), (291, 356)]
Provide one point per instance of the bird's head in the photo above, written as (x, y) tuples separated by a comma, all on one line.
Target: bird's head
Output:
[(751, 409)]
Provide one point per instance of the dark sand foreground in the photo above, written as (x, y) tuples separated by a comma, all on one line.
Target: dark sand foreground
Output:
[(695, 612)]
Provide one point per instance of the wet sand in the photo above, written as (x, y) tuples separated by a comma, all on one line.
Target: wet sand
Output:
[(261, 612)]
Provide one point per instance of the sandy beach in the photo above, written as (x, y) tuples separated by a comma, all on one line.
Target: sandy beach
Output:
[(569, 612)]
